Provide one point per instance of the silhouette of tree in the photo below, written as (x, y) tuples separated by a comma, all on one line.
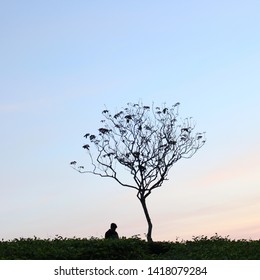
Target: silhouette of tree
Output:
[(147, 141)]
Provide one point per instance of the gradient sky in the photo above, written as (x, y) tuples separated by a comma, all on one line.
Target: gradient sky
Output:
[(62, 62)]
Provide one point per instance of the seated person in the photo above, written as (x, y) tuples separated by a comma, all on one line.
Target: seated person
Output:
[(111, 233)]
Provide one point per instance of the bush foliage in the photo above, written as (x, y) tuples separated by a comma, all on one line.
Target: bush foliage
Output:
[(200, 248)]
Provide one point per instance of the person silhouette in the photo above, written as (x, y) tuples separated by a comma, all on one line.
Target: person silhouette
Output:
[(111, 233)]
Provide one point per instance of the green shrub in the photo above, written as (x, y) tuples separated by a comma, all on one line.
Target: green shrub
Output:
[(200, 248)]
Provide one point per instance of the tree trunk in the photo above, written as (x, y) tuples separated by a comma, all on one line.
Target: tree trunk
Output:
[(150, 226)]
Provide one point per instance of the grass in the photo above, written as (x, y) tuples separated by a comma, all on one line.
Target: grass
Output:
[(200, 248)]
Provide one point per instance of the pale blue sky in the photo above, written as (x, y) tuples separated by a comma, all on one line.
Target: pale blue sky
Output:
[(63, 61)]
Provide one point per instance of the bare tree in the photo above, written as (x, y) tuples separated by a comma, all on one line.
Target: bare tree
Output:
[(147, 141)]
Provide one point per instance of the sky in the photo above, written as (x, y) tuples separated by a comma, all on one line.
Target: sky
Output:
[(63, 62)]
